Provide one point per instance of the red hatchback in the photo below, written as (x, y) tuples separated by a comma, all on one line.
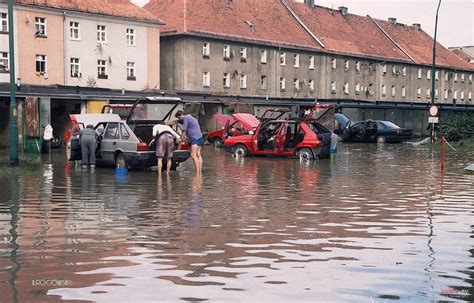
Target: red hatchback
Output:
[(232, 125)]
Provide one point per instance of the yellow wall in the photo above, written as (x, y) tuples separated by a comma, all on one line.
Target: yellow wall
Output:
[(95, 106)]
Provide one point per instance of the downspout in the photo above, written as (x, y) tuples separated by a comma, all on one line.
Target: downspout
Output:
[(302, 24), (391, 39), (64, 47)]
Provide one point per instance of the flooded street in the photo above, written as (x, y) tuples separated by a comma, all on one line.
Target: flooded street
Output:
[(378, 223)]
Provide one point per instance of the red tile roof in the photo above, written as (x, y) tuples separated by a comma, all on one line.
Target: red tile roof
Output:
[(419, 45), (350, 34), (462, 55), (257, 20), (116, 8)]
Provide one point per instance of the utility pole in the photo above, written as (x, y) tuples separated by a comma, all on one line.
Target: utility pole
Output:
[(433, 71), (13, 121)]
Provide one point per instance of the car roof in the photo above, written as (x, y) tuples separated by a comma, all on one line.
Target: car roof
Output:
[(94, 119)]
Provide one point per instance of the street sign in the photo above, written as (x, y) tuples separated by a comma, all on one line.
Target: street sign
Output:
[(433, 120), (433, 111)]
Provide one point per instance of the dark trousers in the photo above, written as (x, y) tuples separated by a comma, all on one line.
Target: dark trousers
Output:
[(88, 147)]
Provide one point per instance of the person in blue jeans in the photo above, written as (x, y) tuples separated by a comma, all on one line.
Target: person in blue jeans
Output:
[(191, 129)]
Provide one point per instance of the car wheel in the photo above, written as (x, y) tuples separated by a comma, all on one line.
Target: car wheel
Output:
[(240, 151), (305, 154), (218, 142), (120, 161), (381, 139), (56, 142)]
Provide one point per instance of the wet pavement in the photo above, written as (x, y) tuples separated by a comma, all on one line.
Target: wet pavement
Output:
[(378, 224)]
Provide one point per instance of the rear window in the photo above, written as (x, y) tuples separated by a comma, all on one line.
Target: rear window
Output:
[(147, 111), (388, 124)]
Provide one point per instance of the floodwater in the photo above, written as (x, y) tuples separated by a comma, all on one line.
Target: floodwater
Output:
[(380, 223)]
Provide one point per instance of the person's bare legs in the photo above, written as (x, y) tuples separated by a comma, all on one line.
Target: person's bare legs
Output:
[(168, 165), (194, 155), (159, 165), (200, 158)]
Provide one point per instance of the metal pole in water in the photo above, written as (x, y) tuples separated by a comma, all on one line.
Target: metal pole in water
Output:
[(13, 122), (433, 71)]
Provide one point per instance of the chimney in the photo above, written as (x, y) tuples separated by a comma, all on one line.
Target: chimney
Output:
[(417, 26), (343, 10), (392, 21), (309, 3)]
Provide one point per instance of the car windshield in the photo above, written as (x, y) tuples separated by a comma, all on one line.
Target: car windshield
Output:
[(152, 111), (123, 112), (388, 124)]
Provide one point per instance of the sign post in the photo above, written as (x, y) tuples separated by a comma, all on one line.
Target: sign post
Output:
[(433, 118)]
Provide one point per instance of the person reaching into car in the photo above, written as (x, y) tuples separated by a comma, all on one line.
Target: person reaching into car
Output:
[(88, 139), (192, 130), (164, 138)]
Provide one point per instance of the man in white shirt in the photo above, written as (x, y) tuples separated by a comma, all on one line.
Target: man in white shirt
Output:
[(163, 135)]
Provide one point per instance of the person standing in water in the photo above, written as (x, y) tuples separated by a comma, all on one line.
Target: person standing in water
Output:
[(164, 138), (88, 139), (192, 130)]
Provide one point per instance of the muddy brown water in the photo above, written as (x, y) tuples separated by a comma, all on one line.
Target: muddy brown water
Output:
[(379, 223)]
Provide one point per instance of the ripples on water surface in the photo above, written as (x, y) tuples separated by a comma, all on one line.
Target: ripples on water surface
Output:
[(378, 224)]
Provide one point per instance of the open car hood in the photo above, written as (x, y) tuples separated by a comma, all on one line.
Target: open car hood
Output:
[(249, 121), (153, 109), (224, 119), (93, 119)]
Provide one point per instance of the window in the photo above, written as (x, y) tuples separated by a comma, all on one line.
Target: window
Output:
[(404, 91), (41, 64), (455, 95), (243, 54), (455, 77), (384, 90), (428, 93), (446, 94), (40, 27), (125, 133), (102, 69), (384, 69), (404, 71), (112, 131), (101, 33), (446, 76), (75, 68), (346, 88), (394, 91), (226, 80), (263, 56), (428, 74), (333, 87), (243, 81), (311, 62), (130, 37), (3, 22), (296, 84), (346, 65), (206, 79), (462, 95), (311, 85), (462, 78), (206, 50), (4, 62), (436, 94), (418, 92), (74, 31), (419, 73), (131, 71), (263, 82), (226, 51), (436, 75), (394, 70), (282, 83), (357, 87), (296, 60), (357, 66), (282, 58), (470, 78), (333, 63), (469, 96)]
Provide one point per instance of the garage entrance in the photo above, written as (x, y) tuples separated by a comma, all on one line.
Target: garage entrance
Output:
[(60, 110)]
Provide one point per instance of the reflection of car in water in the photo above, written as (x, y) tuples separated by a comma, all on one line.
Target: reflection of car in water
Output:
[(126, 143), (232, 125), (370, 131)]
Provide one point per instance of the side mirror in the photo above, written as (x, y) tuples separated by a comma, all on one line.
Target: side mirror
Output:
[(251, 132)]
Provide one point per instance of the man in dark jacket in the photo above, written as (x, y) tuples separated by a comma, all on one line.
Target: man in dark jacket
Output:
[(88, 139)]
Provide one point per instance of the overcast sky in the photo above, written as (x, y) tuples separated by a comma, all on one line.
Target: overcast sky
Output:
[(456, 17)]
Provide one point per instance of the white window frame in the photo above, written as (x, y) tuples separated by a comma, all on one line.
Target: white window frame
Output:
[(263, 82), (346, 88), (462, 78), (5, 58), (404, 71), (436, 93), (75, 67), (446, 94), (436, 75), (455, 94), (243, 54), (357, 66), (4, 22), (102, 69), (282, 83), (418, 92), (428, 74), (469, 96), (357, 87), (394, 70), (263, 56), (75, 30), (404, 91), (206, 49), (311, 84), (428, 93), (384, 90), (226, 80), (419, 73), (296, 84), (282, 58), (40, 27), (226, 51), (311, 62), (470, 78), (455, 77), (347, 65), (131, 37), (40, 59), (131, 71), (333, 86), (384, 69), (333, 63), (243, 81), (394, 91), (296, 60), (446, 76), (101, 33), (462, 95), (206, 79)]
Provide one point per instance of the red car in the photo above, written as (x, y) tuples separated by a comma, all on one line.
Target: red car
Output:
[(232, 125), (305, 138)]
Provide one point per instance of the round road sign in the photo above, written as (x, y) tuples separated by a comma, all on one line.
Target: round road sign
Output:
[(434, 111)]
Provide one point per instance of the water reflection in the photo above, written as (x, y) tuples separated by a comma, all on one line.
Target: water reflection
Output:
[(373, 224)]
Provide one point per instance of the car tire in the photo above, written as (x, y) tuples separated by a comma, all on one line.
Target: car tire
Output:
[(217, 142), (381, 139), (56, 142), (120, 161), (305, 154), (240, 150)]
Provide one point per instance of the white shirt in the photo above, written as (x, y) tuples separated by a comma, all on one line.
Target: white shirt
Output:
[(159, 128)]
